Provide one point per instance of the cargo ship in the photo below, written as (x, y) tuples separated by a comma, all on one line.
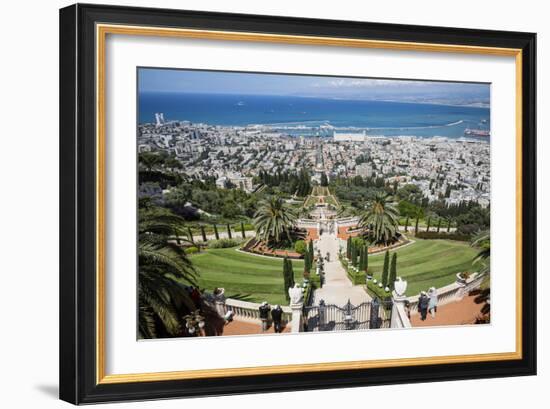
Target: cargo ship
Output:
[(477, 132)]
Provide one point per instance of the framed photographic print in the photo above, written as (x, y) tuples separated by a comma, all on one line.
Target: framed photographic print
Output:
[(257, 203)]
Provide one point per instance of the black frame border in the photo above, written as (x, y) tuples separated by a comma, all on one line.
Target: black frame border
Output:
[(78, 197)]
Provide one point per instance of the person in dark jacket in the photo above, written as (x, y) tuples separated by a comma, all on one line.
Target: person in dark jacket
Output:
[(423, 303), (264, 314), (277, 316)]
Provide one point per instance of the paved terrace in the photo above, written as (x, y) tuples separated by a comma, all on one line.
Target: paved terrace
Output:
[(337, 289)]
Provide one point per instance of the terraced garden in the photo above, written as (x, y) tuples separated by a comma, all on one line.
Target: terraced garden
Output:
[(423, 264), (244, 276), (428, 263)]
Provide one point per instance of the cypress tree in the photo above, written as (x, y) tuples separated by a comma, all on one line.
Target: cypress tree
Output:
[(290, 273), (407, 224), (366, 262), (310, 246), (306, 262), (286, 282), (348, 248), (229, 231), (393, 270), (449, 226), (354, 255), (203, 233), (190, 234), (385, 268), (416, 225), (324, 179), (438, 225), (428, 226), (242, 230), (216, 232)]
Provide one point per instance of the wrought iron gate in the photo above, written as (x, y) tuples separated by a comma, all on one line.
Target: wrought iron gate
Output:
[(330, 317)]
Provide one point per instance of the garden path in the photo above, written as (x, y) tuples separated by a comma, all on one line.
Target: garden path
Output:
[(337, 289)]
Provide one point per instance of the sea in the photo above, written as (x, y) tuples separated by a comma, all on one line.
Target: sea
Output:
[(315, 116)]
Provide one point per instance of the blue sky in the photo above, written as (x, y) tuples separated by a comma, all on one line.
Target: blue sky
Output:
[(171, 80)]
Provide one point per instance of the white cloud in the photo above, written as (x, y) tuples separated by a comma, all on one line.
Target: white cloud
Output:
[(370, 83)]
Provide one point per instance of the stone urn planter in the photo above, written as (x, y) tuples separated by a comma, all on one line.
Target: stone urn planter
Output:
[(461, 278)]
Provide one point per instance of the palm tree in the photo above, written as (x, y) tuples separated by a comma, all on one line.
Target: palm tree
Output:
[(273, 219), (164, 269), (381, 218), (482, 240)]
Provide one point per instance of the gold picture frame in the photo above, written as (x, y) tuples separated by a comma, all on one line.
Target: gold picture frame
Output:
[(97, 19)]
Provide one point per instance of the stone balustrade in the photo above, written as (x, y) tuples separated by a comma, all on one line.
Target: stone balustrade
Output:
[(450, 293), (399, 315), (347, 221), (456, 291), (340, 222), (445, 295), (305, 223), (248, 310)]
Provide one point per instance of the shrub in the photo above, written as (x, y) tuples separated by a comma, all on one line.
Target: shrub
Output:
[(376, 291), (357, 277), (191, 250), (222, 243), (442, 236), (300, 247)]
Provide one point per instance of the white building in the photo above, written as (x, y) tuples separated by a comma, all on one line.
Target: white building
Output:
[(241, 182), (363, 170), (159, 119), (349, 137)]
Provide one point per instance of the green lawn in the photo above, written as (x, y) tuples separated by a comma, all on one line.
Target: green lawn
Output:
[(428, 263), (423, 264), (248, 277)]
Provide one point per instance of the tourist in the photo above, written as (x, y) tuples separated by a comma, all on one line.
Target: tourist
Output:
[(432, 306), (423, 303), (328, 256), (264, 314), (277, 316), (196, 296)]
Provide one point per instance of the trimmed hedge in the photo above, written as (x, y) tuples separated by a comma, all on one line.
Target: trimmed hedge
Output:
[(223, 243), (357, 278), (192, 250), (377, 291), (442, 236)]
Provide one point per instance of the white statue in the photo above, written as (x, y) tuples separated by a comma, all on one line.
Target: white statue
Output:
[(296, 295), (400, 286)]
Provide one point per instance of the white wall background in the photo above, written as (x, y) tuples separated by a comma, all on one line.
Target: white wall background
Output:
[(29, 201)]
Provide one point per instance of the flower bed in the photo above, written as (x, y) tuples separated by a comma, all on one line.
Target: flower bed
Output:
[(374, 249), (257, 247)]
